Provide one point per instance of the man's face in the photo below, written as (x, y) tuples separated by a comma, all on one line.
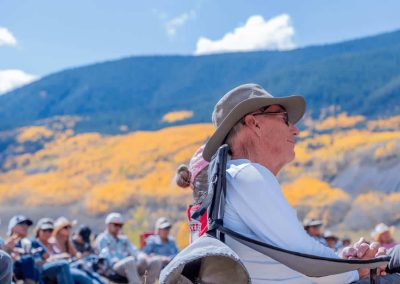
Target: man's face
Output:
[(314, 231), (385, 237), (115, 228), (277, 138), (164, 233), (21, 230)]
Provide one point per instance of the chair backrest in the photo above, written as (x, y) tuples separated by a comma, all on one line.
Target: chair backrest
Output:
[(143, 238)]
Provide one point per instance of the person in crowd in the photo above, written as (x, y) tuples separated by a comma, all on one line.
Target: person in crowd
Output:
[(162, 244), (382, 233), (6, 267), (346, 241), (81, 240), (24, 264), (60, 247), (332, 241), (195, 176), (122, 256), (51, 271), (261, 133), (60, 241), (313, 228)]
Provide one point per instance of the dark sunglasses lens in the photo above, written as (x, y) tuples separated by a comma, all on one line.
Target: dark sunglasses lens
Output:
[(48, 230)]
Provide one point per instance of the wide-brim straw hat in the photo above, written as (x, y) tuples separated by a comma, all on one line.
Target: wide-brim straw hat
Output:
[(62, 222), (380, 229), (240, 101)]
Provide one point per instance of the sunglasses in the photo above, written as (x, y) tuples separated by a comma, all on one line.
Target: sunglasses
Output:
[(48, 230), (284, 114), (118, 225)]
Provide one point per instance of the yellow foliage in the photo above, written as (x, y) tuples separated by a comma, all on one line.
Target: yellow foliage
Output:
[(386, 149), (177, 115), (33, 133), (313, 192), (341, 121), (182, 238), (104, 172), (385, 123)]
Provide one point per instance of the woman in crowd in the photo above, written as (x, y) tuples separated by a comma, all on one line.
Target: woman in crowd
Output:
[(195, 175), (56, 270), (383, 235), (61, 247)]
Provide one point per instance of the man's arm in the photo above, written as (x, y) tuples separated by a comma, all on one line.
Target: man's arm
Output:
[(258, 201)]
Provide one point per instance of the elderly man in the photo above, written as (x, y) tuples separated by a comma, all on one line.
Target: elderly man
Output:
[(260, 131), (122, 256)]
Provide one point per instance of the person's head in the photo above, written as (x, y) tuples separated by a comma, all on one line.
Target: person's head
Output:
[(19, 226), (382, 233), (44, 229), (114, 223), (163, 227), (331, 239), (313, 227), (63, 227), (194, 175), (256, 126), (346, 241), (83, 234)]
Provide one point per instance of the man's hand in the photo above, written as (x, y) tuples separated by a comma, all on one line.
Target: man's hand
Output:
[(364, 250), (10, 243)]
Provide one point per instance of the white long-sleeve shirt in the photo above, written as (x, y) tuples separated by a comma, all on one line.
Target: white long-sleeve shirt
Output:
[(256, 207)]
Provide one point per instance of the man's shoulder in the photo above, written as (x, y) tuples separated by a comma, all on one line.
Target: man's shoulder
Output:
[(237, 168), (234, 167), (153, 239)]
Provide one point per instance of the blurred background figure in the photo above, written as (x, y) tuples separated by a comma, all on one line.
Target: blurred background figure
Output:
[(195, 175), (82, 241), (24, 264), (162, 244), (121, 256), (61, 238), (313, 228), (332, 241), (382, 233), (346, 241), (6, 265)]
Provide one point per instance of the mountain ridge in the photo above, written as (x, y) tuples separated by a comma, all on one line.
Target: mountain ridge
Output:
[(136, 92)]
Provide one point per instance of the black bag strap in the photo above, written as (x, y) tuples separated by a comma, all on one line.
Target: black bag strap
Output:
[(217, 191)]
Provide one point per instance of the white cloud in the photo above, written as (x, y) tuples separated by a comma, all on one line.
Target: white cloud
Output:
[(172, 25), (256, 34), (7, 38), (13, 78)]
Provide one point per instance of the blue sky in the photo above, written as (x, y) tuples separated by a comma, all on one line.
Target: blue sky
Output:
[(38, 37)]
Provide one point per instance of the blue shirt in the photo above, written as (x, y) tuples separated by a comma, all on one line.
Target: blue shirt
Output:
[(256, 207), (155, 245), (114, 249)]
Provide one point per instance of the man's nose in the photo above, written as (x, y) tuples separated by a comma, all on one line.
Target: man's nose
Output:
[(294, 129)]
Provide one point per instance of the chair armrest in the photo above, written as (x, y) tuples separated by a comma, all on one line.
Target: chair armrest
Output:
[(310, 265)]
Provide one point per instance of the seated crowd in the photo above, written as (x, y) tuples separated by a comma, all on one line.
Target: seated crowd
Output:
[(58, 253)]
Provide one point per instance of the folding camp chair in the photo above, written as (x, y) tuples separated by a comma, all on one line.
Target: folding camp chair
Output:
[(309, 265)]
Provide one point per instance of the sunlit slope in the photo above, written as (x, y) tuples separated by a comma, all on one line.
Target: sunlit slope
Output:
[(341, 163), (102, 172)]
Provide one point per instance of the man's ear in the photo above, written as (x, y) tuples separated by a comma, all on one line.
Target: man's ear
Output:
[(252, 124)]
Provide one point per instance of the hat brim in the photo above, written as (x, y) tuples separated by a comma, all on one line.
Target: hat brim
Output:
[(294, 105), (26, 221), (165, 226), (46, 227)]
